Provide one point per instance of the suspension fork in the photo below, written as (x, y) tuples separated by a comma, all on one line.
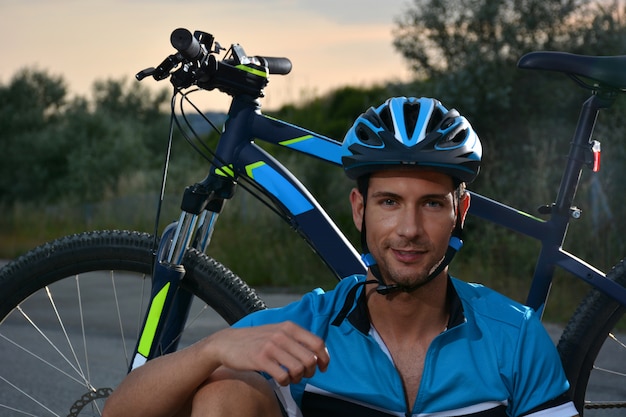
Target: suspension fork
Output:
[(169, 301)]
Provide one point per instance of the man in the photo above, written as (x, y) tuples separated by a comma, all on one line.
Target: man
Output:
[(404, 340)]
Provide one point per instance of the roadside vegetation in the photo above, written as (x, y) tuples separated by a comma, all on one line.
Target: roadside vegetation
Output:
[(70, 164)]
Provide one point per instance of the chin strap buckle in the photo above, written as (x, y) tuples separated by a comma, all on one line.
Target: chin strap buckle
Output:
[(368, 259)]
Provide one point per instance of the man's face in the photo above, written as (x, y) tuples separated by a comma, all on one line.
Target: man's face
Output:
[(410, 215)]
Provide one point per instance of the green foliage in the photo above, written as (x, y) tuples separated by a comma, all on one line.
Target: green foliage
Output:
[(30, 108), (333, 114), (56, 148)]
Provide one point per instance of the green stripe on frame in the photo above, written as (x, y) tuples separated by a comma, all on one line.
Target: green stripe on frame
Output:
[(156, 308)]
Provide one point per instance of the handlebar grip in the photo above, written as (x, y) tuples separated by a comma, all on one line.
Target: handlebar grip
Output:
[(185, 43), (277, 65), (189, 47)]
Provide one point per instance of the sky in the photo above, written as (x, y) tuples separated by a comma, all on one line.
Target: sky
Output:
[(331, 43)]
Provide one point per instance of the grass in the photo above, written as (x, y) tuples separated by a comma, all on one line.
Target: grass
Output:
[(25, 226)]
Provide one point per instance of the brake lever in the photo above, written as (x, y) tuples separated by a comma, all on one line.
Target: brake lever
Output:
[(162, 71), (145, 73)]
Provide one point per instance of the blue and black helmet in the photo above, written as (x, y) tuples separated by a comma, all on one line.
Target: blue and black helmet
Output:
[(412, 131)]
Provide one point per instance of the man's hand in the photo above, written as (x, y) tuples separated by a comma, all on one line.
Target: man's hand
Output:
[(285, 351)]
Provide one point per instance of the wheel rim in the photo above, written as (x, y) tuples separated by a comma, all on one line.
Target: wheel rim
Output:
[(67, 346), (605, 393)]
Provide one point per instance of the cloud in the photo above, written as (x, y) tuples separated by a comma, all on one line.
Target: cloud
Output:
[(347, 12), (355, 11), (330, 44)]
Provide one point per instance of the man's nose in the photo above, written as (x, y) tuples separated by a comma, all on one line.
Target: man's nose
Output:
[(410, 223)]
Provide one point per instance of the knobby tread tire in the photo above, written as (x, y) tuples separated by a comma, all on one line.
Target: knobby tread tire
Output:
[(586, 332), (205, 277)]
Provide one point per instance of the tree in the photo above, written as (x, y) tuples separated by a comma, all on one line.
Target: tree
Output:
[(470, 47), (438, 36), (31, 107), (465, 53), (32, 99), (117, 135), (55, 148)]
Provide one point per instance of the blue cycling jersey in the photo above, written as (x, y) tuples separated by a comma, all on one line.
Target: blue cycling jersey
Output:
[(494, 359)]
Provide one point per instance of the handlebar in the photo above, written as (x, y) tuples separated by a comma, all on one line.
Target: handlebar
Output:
[(195, 63), (184, 42)]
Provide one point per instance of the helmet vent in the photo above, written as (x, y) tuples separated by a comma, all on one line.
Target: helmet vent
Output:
[(435, 119), (367, 137), (453, 140), (447, 123), (411, 113), (460, 136), (385, 117)]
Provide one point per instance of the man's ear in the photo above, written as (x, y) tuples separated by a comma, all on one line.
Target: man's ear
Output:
[(356, 201), (464, 205)]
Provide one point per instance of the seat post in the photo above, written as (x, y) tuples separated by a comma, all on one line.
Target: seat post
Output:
[(579, 148)]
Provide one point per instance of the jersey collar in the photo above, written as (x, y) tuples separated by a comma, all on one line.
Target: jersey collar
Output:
[(359, 316)]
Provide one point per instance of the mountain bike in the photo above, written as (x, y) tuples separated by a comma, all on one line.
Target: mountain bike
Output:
[(81, 311)]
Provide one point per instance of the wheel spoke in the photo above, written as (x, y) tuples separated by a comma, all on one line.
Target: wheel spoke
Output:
[(51, 343), (609, 371), (78, 368), (42, 360), (119, 318), (30, 397), (189, 323), (82, 328), (92, 289), (619, 342)]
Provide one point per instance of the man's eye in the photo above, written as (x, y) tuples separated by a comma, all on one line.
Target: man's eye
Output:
[(388, 202)]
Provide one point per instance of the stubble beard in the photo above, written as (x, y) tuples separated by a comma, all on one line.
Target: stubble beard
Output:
[(393, 276)]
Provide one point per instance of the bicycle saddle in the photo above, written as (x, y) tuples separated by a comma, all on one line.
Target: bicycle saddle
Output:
[(609, 71)]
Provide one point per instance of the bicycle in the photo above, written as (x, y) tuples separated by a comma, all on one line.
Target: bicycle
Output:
[(171, 272)]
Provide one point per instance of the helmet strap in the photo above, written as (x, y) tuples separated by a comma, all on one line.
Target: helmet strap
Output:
[(454, 245)]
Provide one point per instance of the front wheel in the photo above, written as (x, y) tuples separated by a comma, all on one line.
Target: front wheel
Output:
[(71, 311), (593, 351)]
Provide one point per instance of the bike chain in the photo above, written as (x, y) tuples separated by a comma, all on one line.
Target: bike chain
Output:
[(87, 398), (605, 405)]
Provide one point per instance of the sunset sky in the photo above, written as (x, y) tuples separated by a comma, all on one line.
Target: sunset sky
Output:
[(330, 42)]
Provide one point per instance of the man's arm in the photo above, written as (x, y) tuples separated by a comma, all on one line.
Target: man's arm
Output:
[(162, 386)]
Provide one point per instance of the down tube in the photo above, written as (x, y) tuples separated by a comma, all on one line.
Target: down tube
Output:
[(307, 216)]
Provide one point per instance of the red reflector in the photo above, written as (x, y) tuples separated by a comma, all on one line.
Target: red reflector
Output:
[(596, 156), (596, 161)]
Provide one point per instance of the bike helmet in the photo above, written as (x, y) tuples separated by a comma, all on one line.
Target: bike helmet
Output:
[(412, 131)]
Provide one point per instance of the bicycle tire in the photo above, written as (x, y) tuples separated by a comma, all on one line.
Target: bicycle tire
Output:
[(52, 363), (582, 340)]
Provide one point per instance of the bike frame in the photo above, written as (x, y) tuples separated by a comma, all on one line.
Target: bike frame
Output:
[(238, 155), (552, 233)]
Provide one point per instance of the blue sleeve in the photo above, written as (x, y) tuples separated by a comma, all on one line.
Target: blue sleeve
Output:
[(300, 312), (310, 312), (537, 374)]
